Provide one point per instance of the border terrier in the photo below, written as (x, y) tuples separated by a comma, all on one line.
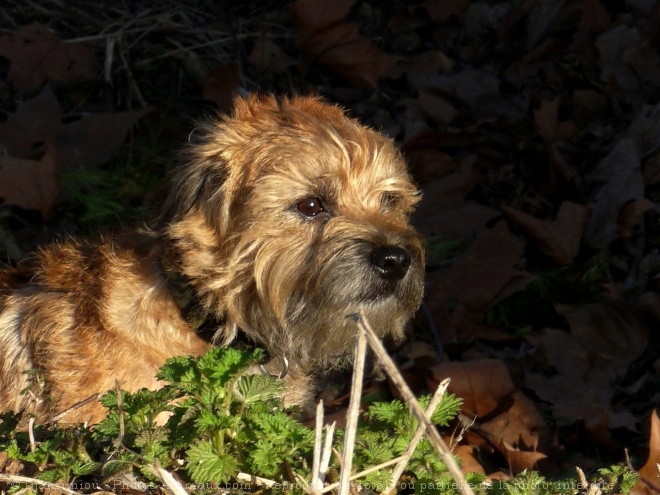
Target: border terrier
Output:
[(284, 218)]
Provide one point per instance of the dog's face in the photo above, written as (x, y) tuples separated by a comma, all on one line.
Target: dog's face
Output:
[(288, 217)]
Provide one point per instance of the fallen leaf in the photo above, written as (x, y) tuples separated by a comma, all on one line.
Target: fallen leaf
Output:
[(612, 46), (609, 331), (29, 184), (473, 86), (469, 462), (520, 460), (547, 17), (269, 57), (629, 215), (557, 239), (605, 338), (438, 109), (622, 181), (221, 85), (440, 11), (485, 274), (93, 139), (34, 123), (546, 118), (327, 38), (519, 427), (484, 385), (649, 470), (36, 55), (595, 17)]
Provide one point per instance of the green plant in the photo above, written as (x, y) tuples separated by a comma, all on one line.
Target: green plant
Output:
[(385, 433), (215, 420)]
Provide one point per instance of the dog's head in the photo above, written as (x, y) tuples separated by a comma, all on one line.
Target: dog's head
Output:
[(288, 216)]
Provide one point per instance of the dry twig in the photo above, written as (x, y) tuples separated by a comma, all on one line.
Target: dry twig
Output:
[(433, 404), (352, 415), (13, 478), (417, 411)]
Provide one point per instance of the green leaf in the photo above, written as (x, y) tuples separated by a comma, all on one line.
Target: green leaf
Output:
[(205, 465), (85, 468), (255, 388)]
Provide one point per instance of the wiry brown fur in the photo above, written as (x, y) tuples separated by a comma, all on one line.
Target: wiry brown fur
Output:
[(88, 315)]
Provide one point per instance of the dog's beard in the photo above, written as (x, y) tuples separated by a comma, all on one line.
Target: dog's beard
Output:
[(298, 297)]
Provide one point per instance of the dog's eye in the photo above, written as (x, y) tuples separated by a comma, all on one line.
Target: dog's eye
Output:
[(310, 207)]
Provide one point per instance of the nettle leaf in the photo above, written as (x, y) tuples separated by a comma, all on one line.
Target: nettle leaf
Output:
[(209, 420), (446, 411), (181, 372), (85, 468), (205, 465), (8, 423), (221, 365), (50, 475), (390, 415), (266, 458), (255, 388)]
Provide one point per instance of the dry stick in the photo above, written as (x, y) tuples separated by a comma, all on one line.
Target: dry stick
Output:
[(433, 404), (72, 408), (318, 440), (31, 434), (417, 411), (168, 480), (255, 480), (361, 474), (353, 413), (12, 478), (327, 451)]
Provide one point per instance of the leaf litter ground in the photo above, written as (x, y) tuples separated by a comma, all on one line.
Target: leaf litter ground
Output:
[(531, 128)]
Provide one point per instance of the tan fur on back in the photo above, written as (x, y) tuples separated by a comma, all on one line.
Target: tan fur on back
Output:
[(237, 228)]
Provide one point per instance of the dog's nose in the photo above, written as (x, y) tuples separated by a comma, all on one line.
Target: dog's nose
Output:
[(391, 262)]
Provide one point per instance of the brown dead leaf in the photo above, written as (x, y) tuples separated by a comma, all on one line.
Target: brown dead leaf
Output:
[(548, 17), (649, 470), (605, 338), (469, 462), (612, 46), (651, 169), (520, 427), (585, 105), (476, 87), (29, 184), (558, 239), (269, 57), (622, 182), (610, 331), (441, 10), (93, 139), (546, 118), (595, 17), (328, 39), (485, 274), (36, 55), (438, 109), (519, 460), (484, 385), (221, 84), (630, 213), (36, 121)]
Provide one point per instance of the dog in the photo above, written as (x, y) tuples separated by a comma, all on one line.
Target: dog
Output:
[(285, 217)]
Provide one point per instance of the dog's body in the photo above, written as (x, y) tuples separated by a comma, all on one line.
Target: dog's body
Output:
[(284, 220)]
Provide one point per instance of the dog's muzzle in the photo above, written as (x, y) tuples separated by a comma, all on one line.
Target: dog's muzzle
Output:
[(391, 263)]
